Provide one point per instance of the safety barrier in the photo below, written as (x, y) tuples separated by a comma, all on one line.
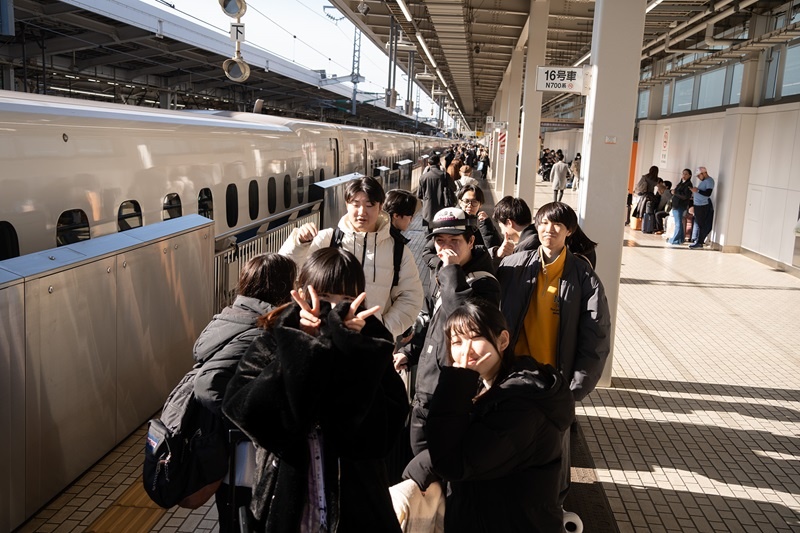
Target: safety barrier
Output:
[(228, 262)]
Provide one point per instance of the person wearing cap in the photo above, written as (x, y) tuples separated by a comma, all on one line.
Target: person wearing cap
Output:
[(556, 308), (465, 272), (436, 190), (366, 233), (681, 198), (703, 208)]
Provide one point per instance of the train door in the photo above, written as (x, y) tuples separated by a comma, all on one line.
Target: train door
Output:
[(366, 160), (335, 149)]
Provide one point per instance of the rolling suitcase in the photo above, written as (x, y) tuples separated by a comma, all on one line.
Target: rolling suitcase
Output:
[(648, 223), (239, 515)]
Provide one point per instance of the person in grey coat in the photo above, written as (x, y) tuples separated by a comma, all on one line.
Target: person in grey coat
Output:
[(265, 282)]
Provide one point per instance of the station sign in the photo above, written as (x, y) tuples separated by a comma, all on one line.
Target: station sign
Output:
[(562, 79), (237, 32)]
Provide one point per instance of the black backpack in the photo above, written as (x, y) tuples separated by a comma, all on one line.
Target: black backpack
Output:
[(397, 257), (186, 453)]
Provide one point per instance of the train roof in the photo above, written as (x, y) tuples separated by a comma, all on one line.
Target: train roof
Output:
[(33, 104)]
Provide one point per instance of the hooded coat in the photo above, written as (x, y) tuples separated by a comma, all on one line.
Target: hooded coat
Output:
[(500, 453), (340, 383), (400, 304), (222, 344)]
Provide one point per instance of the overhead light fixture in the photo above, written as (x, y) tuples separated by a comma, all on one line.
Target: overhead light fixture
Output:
[(404, 9), (439, 72), (363, 8), (652, 5), (425, 48), (425, 75)]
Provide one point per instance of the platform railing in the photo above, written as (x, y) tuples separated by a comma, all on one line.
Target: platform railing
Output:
[(228, 263)]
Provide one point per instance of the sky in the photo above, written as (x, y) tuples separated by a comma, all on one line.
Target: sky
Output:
[(305, 32)]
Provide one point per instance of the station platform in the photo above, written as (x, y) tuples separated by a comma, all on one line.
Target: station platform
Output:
[(700, 430)]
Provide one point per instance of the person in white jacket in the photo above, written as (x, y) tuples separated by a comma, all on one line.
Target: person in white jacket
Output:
[(366, 235)]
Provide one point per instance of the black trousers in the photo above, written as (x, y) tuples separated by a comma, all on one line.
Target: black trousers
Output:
[(703, 217)]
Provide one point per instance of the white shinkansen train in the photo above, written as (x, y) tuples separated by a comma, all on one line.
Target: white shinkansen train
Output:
[(71, 170)]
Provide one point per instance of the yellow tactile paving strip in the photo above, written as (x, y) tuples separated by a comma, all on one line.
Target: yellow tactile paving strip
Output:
[(133, 512)]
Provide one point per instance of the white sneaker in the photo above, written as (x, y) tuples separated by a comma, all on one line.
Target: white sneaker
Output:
[(572, 522)]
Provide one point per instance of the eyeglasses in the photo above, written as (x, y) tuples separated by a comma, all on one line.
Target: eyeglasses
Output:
[(470, 202)]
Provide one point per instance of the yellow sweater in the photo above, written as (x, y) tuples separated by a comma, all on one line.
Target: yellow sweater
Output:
[(539, 335)]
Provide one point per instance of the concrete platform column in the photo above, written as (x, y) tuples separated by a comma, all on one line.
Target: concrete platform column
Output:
[(532, 100), (496, 160), (734, 177), (514, 76), (608, 135)]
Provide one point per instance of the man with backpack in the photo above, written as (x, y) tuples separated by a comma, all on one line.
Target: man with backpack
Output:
[(464, 272), (392, 277)]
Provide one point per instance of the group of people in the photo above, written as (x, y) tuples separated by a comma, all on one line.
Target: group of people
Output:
[(690, 206), (513, 330)]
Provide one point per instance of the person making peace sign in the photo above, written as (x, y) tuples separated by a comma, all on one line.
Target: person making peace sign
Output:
[(319, 397)]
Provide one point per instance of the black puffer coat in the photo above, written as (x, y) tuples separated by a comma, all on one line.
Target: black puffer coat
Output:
[(584, 326), (501, 454), (456, 285), (341, 382), (222, 344)]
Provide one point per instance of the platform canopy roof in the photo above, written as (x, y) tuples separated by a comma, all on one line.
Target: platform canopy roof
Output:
[(471, 41), (135, 53)]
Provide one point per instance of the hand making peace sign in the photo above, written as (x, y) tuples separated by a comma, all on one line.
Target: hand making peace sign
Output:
[(309, 314)]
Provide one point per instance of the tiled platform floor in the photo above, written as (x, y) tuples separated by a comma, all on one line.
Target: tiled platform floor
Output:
[(700, 430)]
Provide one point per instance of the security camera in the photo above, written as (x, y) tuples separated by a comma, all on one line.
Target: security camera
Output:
[(477, 49), (363, 8)]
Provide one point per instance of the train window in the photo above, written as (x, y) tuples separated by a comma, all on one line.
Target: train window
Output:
[(172, 206), (129, 215), (205, 204), (322, 174), (232, 205), (272, 192), (287, 191), (300, 189), (252, 197), (72, 227), (9, 243)]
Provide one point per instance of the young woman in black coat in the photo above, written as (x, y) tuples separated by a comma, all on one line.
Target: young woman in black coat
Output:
[(494, 431), (318, 394)]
